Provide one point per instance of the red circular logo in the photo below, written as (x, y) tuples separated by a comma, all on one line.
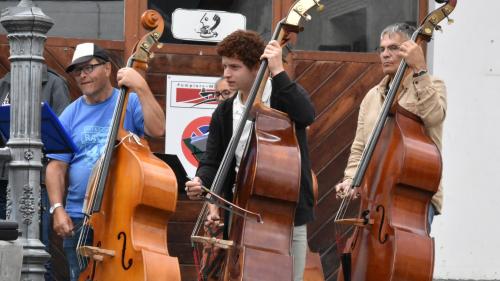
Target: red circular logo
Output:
[(196, 128)]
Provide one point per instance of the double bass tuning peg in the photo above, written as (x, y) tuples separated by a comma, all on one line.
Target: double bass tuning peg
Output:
[(306, 17), (151, 55), (450, 21), (320, 7)]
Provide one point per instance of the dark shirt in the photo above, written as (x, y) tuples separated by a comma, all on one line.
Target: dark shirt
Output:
[(54, 90), (286, 96)]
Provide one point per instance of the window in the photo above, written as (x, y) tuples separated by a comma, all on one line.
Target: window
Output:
[(354, 25), (81, 19), (258, 14)]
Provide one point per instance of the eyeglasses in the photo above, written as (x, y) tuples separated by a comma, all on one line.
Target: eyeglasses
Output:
[(391, 49), (224, 93), (87, 69)]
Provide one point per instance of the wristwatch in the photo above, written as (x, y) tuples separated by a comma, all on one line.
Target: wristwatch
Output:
[(54, 207)]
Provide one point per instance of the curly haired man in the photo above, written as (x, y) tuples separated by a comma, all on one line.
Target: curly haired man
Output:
[(241, 52)]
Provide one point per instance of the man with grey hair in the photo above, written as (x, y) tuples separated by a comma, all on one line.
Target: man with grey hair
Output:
[(222, 90), (421, 94)]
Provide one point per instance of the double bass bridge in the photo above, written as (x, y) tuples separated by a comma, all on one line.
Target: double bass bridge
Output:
[(361, 222), (213, 241), (95, 253)]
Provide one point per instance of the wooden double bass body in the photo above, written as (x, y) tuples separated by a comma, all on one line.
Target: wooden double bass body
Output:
[(140, 195), (404, 174), (268, 183), (129, 213), (399, 172)]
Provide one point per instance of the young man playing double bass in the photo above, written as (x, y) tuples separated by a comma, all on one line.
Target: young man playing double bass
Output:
[(241, 53), (422, 94)]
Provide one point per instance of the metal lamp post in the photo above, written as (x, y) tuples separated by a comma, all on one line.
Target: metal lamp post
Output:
[(27, 27)]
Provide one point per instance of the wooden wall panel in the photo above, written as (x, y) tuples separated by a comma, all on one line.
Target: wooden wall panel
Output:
[(323, 71), (4, 57), (336, 86)]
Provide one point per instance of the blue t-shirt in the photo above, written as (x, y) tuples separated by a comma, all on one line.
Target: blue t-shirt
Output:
[(88, 126)]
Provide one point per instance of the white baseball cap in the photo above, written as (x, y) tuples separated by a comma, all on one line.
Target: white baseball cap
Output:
[(85, 52)]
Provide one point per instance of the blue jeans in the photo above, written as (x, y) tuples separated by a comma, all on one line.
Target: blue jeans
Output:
[(45, 228), (69, 245), (3, 199)]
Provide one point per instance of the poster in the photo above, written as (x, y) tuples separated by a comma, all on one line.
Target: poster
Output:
[(185, 117)]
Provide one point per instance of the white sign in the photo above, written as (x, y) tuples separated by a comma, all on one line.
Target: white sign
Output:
[(205, 25), (186, 117)]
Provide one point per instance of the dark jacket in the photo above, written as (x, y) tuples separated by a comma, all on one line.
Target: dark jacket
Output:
[(286, 96), (54, 90)]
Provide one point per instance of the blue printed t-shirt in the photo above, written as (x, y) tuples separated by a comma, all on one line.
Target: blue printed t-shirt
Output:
[(88, 126)]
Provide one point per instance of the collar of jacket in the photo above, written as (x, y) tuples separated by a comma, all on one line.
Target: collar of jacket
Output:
[(383, 85)]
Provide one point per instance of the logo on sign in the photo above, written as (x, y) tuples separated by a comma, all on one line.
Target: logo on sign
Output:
[(196, 128), (205, 25), (193, 95), (209, 23)]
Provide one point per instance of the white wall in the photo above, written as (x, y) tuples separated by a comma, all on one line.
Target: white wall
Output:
[(467, 56)]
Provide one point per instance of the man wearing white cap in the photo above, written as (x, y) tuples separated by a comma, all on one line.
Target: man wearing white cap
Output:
[(87, 122)]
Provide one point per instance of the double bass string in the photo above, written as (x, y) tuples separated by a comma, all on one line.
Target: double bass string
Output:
[(88, 205)]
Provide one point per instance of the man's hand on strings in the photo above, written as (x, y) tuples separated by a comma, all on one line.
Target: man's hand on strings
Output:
[(344, 189), (63, 225), (193, 189), (273, 54)]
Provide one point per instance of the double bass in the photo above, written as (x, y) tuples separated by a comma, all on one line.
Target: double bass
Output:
[(130, 196), (399, 172), (266, 194)]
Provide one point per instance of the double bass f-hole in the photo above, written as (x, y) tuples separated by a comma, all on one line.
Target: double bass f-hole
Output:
[(381, 208), (124, 249)]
